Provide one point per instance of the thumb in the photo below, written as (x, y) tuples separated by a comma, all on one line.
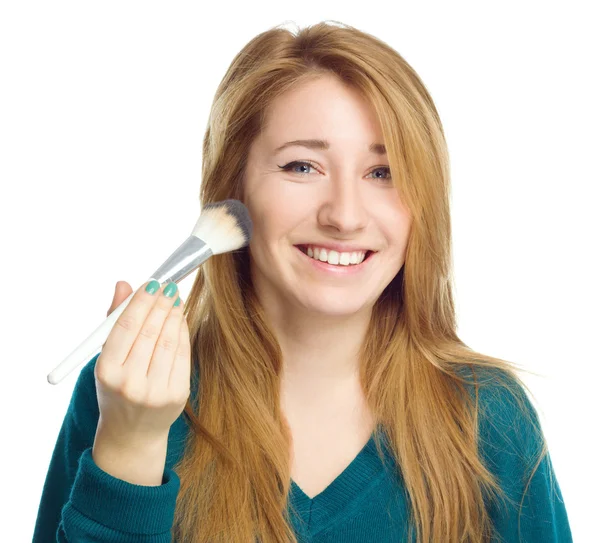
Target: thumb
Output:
[(122, 291)]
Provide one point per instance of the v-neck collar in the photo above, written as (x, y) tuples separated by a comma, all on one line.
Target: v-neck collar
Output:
[(363, 470)]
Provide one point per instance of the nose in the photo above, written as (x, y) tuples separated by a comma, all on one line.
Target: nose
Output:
[(343, 207)]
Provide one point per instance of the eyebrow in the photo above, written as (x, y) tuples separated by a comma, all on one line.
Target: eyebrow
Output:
[(323, 145)]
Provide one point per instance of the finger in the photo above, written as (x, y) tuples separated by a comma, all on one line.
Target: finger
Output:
[(163, 356), (181, 370), (122, 291), (138, 359), (127, 327)]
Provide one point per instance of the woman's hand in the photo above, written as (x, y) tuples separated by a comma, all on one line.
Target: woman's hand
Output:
[(142, 379)]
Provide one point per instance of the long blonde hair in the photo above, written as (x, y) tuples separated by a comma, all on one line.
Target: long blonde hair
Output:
[(235, 473)]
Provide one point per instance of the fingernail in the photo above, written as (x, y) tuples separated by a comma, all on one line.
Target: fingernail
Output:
[(177, 302), (170, 290), (152, 286)]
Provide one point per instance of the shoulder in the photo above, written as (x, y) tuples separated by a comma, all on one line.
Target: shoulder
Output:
[(509, 425), (513, 447)]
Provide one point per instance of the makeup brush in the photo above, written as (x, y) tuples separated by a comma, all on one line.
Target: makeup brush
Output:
[(222, 227)]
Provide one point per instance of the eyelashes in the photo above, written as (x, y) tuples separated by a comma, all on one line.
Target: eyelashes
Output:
[(290, 165)]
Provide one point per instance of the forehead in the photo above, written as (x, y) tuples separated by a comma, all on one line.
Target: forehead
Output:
[(323, 112)]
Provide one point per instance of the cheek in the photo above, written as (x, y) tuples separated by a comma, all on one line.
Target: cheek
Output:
[(395, 223), (276, 208)]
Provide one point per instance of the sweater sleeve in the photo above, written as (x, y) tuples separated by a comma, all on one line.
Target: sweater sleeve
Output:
[(512, 440), (82, 503)]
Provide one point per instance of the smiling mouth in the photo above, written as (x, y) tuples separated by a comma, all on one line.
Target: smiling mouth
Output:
[(304, 249)]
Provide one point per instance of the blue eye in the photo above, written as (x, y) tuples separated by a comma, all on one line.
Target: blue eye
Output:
[(291, 165), (388, 178)]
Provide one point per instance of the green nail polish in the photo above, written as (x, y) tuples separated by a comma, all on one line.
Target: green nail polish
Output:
[(178, 301), (152, 286), (170, 290)]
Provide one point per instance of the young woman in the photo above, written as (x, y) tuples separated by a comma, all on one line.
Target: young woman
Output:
[(325, 393)]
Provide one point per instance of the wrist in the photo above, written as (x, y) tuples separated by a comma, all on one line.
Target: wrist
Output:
[(135, 460)]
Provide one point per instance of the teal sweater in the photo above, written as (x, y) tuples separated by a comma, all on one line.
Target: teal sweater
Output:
[(365, 503)]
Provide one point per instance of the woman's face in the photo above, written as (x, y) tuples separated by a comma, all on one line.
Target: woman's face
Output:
[(340, 197)]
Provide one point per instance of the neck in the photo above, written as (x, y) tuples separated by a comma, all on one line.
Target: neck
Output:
[(320, 352)]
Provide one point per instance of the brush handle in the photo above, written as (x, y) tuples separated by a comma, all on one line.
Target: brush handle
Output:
[(88, 347), (184, 260)]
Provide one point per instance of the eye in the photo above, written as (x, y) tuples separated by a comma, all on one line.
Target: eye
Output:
[(295, 163), (387, 179), (291, 165)]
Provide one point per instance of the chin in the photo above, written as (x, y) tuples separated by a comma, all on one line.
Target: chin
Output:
[(336, 307)]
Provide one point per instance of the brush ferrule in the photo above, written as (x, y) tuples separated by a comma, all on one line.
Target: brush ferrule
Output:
[(184, 260)]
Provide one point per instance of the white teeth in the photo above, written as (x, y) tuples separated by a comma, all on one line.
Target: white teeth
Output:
[(333, 257), (336, 258)]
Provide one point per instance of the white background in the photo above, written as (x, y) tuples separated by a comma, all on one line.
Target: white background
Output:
[(103, 108)]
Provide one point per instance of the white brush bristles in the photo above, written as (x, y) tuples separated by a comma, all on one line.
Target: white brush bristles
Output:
[(224, 226)]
